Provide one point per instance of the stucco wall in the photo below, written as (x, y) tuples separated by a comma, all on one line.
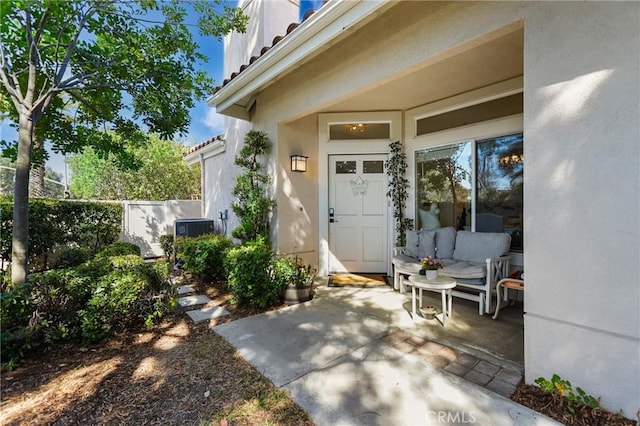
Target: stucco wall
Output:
[(267, 18), (220, 174), (297, 194), (582, 175), (582, 198)]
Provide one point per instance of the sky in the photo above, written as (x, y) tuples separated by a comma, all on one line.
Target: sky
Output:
[(205, 123)]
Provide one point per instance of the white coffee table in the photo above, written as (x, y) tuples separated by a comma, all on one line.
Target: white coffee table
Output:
[(442, 284)]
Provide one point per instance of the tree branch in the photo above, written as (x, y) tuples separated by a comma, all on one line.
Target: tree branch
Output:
[(73, 42)]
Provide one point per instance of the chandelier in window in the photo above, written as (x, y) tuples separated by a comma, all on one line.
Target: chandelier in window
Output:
[(356, 128), (511, 159)]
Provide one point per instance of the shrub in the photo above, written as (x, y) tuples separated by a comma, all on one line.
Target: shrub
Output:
[(204, 256), (16, 312), (120, 248), (167, 244), (85, 303), (72, 257), (289, 271), (55, 225), (252, 205), (248, 273)]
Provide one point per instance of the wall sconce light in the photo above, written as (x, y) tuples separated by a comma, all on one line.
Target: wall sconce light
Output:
[(298, 163)]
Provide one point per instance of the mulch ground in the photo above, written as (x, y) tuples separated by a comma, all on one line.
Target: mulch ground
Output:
[(557, 408), (175, 374)]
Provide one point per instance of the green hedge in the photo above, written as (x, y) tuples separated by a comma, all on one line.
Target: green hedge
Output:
[(58, 225), (249, 274), (204, 256), (113, 291)]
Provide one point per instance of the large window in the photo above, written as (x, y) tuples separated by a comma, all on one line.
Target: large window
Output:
[(474, 185)]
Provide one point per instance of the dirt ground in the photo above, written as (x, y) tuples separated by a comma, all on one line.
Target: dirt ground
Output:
[(180, 374), (175, 374)]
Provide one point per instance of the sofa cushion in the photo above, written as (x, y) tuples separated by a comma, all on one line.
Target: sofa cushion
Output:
[(445, 241), (412, 246), (406, 263), (420, 244), (464, 270), (478, 246)]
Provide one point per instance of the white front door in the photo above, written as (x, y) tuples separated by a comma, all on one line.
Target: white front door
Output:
[(357, 213)]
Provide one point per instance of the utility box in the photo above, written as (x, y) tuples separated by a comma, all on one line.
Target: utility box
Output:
[(193, 227)]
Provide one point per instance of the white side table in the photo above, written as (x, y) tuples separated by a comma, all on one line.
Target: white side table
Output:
[(441, 284)]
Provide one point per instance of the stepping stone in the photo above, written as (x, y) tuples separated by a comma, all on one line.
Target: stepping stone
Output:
[(193, 300), (201, 315), (185, 289)]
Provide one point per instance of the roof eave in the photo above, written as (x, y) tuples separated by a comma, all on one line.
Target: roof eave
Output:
[(312, 37)]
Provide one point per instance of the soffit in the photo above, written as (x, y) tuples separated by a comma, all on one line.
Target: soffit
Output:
[(492, 62)]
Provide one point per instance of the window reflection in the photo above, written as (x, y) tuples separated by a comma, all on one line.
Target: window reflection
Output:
[(345, 167), (500, 168), (444, 187)]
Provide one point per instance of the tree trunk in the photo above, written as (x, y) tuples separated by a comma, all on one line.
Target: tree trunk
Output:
[(19, 259), (36, 187)]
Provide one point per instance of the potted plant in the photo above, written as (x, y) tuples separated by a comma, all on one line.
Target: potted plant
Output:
[(429, 312), (294, 279), (430, 266)]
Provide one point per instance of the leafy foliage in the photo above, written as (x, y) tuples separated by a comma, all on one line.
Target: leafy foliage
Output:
[(85, 303), (163, 174), (398, 190), (73, 69), (72, 257), (204, 256), (248, 274), (57, 225), (563, 388), (168, 246), (290, 271), (252, 206)]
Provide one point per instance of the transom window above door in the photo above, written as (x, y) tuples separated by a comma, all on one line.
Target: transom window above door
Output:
[(359, 131), (474, 185)]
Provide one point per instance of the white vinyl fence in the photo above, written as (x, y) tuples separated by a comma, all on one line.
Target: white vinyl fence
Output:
[(146, 221)]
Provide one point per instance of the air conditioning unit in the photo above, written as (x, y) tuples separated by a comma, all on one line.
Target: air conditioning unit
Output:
[(193, 227)]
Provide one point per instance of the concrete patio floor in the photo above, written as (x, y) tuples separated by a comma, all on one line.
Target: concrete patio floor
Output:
[(466, 330), (354, 356)]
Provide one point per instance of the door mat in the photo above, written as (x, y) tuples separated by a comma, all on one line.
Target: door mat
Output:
[(358, 280)]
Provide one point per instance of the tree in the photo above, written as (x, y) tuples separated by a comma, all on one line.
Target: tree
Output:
[(252, 205), (109, 67), (163, 174)]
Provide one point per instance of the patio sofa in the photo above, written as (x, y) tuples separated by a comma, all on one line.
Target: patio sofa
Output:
[(477, 260)]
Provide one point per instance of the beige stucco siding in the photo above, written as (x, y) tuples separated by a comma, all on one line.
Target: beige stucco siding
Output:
[(582, 151), (582, 192)]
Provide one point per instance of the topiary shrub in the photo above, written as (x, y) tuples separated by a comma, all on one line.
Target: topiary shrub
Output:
[(252, 206), (204, 256), (249, 274)]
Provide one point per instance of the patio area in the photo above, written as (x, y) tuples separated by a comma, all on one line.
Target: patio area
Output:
[(501, 339)]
